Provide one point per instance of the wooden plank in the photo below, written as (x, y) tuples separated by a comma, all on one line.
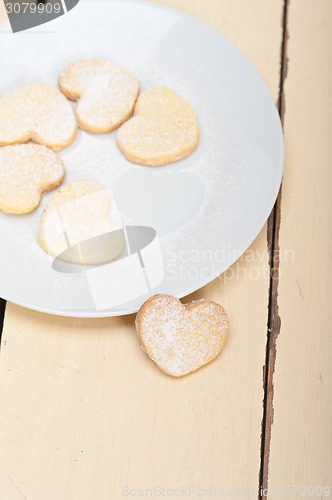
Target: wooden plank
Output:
[(84, 411), (301, 442)]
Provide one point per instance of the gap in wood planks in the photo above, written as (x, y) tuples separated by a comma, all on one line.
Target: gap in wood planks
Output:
[(274, 320), (2, 315)]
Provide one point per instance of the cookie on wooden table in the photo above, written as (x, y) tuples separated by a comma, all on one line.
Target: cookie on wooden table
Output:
[(181, 338)]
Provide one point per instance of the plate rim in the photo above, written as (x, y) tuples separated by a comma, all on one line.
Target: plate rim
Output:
[(259, 226)]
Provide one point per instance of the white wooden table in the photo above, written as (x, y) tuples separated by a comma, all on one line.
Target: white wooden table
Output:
[(84, 415)]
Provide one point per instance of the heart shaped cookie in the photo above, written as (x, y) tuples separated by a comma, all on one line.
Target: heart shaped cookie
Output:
[(37, 112), (163, 130), (26, 172), (181, 338), (75, 226), (106, 93)]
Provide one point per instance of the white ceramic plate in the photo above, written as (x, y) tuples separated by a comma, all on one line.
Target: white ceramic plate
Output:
[(206, 209)]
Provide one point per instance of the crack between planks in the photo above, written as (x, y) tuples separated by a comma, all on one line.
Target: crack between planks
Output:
[(274, 321), (2, 315)]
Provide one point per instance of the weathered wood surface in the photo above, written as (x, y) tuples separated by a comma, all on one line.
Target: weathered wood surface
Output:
[(85, 413), (301, 440)]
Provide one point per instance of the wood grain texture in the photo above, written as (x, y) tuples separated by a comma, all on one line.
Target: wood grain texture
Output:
[(301, 443), (85, 412)]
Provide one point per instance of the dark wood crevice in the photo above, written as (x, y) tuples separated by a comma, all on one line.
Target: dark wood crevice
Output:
[(2, 315), (274, 320)]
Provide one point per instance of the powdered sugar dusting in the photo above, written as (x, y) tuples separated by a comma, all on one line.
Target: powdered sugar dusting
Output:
[(27, 171), (76, 213), (180, 339), (163, 130), (106, 93), (37, 112)]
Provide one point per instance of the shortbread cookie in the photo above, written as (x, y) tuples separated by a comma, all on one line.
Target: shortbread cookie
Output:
[(26, 172), (181, 338), (163, 130), (75, 226), (106, 93), (37, 112)]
